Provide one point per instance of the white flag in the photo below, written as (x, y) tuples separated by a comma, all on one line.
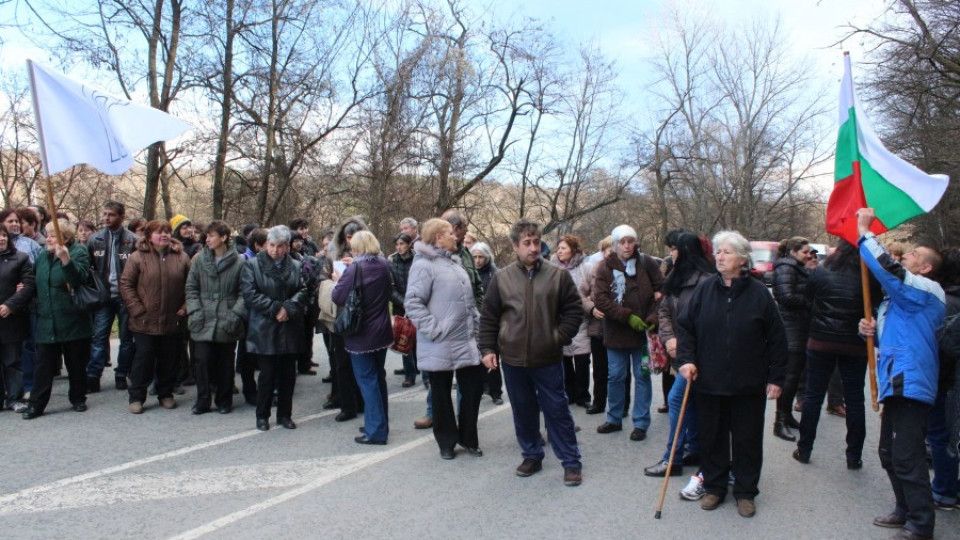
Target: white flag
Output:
[(81, 124)]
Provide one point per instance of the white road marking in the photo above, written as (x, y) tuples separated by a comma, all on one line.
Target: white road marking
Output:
[(92, 475), (329, 476), (129, 488)]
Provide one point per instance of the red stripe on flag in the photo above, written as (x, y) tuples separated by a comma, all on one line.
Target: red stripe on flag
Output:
[(848, 197)]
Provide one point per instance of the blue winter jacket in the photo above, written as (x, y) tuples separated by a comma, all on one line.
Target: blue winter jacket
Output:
[(907, 322)]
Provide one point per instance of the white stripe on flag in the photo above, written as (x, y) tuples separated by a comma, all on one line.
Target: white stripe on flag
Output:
[(82, 124)]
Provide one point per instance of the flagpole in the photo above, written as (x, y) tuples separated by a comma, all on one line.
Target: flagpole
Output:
[(865, 282), (868, 315), (51, 203)]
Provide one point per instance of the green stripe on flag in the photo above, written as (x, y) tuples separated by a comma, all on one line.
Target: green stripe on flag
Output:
[(847, 151), (893, 205)]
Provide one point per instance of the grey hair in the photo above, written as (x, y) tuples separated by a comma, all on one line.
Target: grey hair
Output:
[(484, 250), (410, 222), (278, 234), (735, 240)]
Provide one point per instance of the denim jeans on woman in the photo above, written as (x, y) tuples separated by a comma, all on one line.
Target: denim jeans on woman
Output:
[(820, 367), (368, 368), (688, 442), (619, 361)]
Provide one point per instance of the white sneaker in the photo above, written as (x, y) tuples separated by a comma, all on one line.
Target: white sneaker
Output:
[(694, 489), (18, 407)]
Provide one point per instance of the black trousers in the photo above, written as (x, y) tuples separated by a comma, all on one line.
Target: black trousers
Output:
[(156, 356), (305, 360), (214, 366), (75, 356), (247, 367), (666, 383), (345, 388), (731, 423), (328, 345), (446, 430), (796, 362), (903, 454), (576, 378), (600, 371), (494, 381), (279, 370)]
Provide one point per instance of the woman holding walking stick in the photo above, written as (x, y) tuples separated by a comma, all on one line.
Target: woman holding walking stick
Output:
[(731, 340)]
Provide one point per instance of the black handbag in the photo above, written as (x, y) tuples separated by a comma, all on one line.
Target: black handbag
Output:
[(92, 295), (348, 320)]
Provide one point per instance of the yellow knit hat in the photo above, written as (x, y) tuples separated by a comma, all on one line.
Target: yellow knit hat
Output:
[(178, 220)]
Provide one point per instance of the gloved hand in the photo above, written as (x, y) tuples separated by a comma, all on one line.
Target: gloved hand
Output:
[(638, 324)]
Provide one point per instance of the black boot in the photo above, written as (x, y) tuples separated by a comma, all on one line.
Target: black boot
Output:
[(790, 421), (781, 430)]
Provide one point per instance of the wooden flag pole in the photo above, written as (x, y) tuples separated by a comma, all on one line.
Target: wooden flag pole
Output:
[(868, 315), (673, 448), (53, 211)]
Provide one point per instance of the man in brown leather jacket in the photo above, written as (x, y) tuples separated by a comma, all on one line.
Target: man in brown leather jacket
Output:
[(530, 311)]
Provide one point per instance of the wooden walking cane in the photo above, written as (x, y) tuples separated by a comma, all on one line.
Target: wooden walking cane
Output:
[(673, 448), (868, 315)]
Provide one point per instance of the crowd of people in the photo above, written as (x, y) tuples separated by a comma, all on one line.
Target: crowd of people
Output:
[(196, 304)]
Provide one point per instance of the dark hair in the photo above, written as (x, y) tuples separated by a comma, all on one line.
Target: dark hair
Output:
[(950, 271), (217, 226), (248, 228), (523, 227), (257, 237), (135, 224), (43, 215), (3, 230), (297, 223), (573, 241), (455, 218), (6, 213), (351, 229), (157, 225), (403, 237), (789, 245), (87, 223), (28, 215), (845, 258), (673, 236), (116, 206), (690, 259)]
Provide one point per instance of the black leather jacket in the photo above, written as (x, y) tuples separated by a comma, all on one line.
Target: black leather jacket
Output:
[(789, 285)]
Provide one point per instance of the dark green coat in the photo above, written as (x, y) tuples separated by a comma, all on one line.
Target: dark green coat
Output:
[(58, 321), (215, 308)]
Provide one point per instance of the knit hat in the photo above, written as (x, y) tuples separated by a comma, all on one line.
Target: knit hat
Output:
[(622, 231), (178, 221)]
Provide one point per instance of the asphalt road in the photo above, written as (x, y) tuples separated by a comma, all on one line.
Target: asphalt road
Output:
[(168, 474)]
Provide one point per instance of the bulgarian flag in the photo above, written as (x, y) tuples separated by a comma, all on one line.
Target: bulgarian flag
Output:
[(869, 175)]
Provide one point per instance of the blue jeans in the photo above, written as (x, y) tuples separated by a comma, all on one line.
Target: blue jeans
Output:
[(945, 485), (368, 368), (618, 360), (820, 368), (100, 349), (689, 435), (536, 389)]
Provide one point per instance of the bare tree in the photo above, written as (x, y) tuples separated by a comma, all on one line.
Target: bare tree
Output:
[(737, 137), (914, 88)]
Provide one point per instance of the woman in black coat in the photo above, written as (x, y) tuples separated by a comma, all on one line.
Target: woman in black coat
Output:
[(15, 270), (789, 282), (731, 342), (400, 263), (275, 294), (835, 293)]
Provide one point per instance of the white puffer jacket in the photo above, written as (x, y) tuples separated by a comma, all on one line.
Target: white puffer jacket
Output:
[(439, 301)]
